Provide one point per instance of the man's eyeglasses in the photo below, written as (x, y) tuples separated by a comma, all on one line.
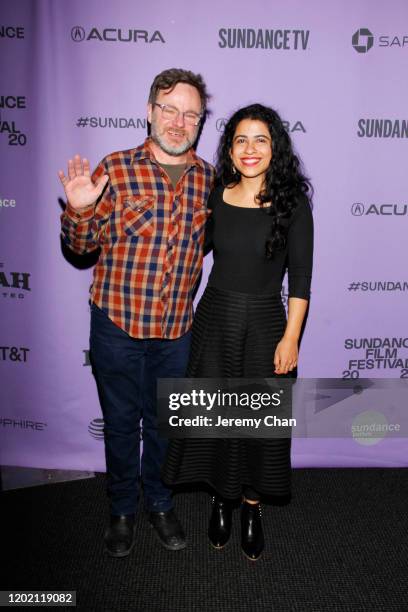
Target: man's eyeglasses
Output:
[(171, 113)]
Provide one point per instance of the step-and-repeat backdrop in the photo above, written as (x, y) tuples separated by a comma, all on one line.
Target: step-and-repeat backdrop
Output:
[(75, 78)]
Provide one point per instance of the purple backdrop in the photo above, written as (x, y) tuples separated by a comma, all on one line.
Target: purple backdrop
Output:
[(75, 78)]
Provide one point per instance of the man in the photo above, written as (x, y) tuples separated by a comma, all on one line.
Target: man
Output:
[(145, 209)]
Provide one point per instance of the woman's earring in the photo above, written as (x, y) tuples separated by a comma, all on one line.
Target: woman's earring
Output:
[(234, 170)]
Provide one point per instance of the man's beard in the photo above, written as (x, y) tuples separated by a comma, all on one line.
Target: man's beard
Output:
[(179, 150)]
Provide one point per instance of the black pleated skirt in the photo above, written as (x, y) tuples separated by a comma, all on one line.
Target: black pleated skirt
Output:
[(234, 335)]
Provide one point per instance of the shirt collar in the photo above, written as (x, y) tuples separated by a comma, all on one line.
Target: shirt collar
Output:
[(144, 152)]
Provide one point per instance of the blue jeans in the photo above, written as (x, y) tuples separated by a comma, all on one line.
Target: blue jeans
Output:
[(126, 370)]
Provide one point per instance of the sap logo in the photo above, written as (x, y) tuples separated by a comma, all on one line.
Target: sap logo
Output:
[(393, 41), (363, 40)]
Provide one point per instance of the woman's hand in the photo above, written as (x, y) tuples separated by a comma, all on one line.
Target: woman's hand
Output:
[(286, 355)]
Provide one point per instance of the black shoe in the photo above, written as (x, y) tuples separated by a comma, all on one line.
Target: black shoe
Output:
[(252, 537), (120, 535), (168, 529), (219, 528)]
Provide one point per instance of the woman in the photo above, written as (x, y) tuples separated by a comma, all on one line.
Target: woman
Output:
[(261, 223)]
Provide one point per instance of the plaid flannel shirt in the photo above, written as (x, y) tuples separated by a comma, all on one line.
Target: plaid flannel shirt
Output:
[(151, 239)]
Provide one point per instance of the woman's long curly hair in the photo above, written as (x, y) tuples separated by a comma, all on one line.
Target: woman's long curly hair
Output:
[(284, 180)]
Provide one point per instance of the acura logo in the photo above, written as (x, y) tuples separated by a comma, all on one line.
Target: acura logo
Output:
[(77, 34), (357, 209), (220, 124)]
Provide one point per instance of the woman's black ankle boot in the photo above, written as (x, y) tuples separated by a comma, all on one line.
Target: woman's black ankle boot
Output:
[(219, 528), (252, 537)]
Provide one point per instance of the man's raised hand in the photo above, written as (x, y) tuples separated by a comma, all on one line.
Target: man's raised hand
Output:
[(79, 188)]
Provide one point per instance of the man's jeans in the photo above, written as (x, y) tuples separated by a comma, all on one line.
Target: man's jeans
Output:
[(126, 370)]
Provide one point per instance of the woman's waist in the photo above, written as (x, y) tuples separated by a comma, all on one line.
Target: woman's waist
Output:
[(273, 294)]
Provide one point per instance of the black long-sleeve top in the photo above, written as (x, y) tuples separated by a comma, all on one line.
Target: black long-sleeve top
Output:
[(238, 238)]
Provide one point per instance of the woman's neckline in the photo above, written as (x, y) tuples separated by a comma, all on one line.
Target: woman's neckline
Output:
[(243, 207)]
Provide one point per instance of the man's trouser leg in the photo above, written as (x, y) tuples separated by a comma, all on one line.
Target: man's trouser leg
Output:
[(164, 359), (118, 365)]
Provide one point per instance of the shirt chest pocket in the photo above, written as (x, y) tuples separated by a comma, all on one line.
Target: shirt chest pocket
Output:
[(200, 215), (138, 216)]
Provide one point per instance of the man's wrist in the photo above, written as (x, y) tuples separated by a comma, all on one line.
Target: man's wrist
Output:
[(80, 214)]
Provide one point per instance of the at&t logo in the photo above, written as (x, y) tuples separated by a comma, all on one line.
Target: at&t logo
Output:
[(96, 429)]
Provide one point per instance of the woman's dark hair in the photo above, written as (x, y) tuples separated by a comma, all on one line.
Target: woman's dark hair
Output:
[(284, 180)]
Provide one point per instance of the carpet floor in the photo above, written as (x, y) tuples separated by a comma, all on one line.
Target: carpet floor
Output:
[(341, 545)]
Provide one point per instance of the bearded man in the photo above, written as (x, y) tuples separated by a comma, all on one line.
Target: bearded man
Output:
[(145, 209)]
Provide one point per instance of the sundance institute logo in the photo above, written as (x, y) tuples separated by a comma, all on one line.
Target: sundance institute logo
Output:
[(362, 40), (370, 427), (96, 429)]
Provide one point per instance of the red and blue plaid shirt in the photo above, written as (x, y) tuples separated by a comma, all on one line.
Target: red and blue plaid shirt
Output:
[(151, 240)]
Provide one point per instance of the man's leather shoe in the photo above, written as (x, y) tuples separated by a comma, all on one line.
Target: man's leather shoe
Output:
[(252, 537), (120, 535), (168, 529), (219, 528)]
